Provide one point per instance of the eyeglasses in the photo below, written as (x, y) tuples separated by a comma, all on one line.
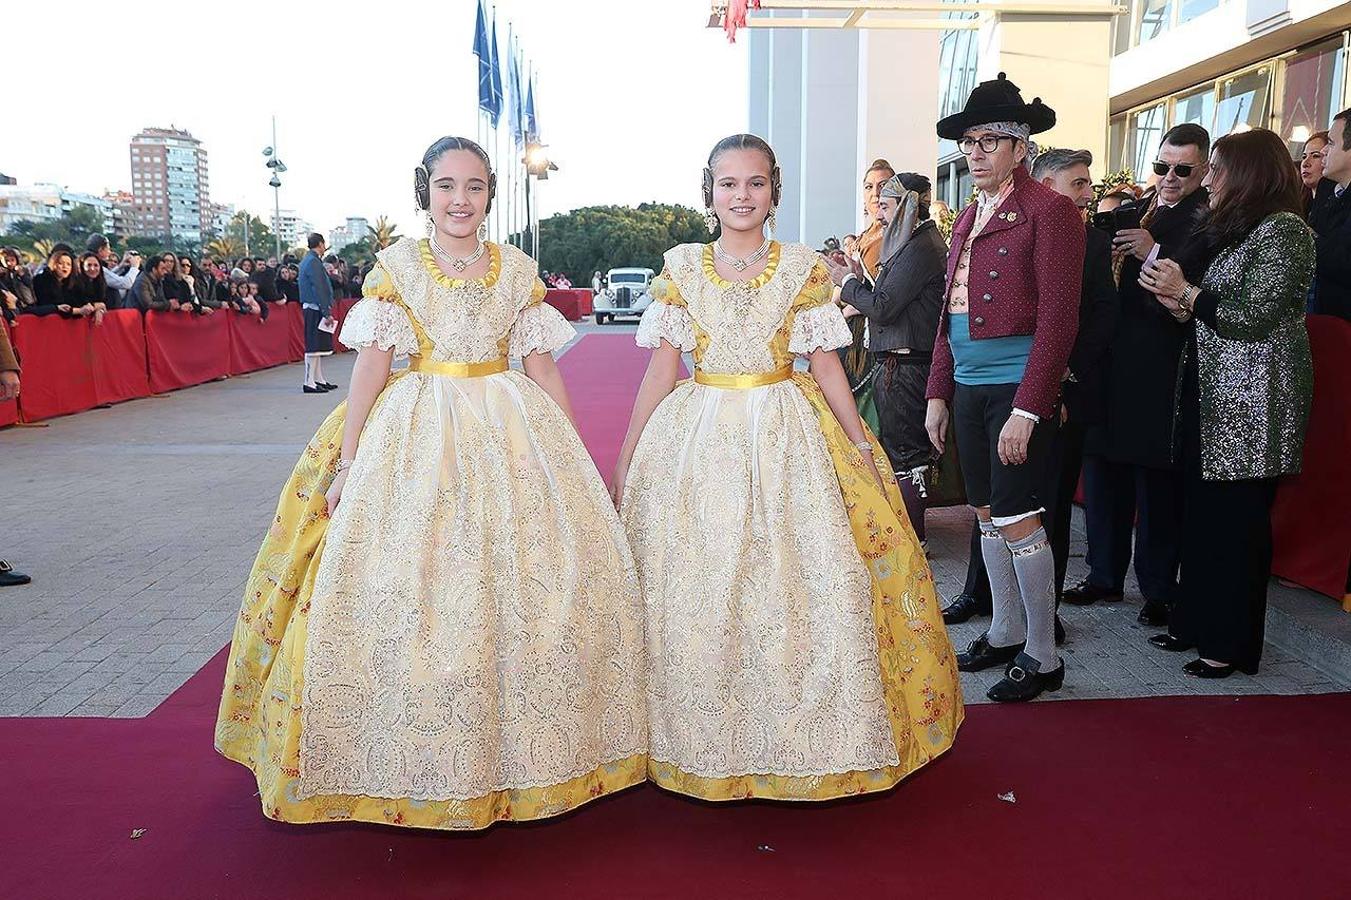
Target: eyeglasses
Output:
[(988, 144), (1183, 170)]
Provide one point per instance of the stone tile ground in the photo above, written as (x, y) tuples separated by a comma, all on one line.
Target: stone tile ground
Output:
[(139, 524)]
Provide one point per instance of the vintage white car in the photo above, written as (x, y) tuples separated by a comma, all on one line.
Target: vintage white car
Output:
[(624, 295)]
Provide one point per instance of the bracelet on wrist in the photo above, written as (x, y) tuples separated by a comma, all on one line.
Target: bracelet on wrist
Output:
[(863, 446)]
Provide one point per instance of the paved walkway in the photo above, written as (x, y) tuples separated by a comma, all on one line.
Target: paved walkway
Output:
[(139, 524)]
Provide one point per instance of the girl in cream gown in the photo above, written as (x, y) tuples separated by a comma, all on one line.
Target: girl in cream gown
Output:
[(462, 642), (796, 646)]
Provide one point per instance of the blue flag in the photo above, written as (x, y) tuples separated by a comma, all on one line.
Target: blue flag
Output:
[(495, 64), (517, 101), (531, 123), (485, 77)]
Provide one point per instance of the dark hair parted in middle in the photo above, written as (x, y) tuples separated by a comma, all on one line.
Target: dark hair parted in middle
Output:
[(422, 175), (744, 142), (1257, 180)]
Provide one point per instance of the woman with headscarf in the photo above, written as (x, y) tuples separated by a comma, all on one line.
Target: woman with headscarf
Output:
[(901, 305)]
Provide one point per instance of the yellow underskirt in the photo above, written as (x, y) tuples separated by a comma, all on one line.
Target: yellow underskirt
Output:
[(258, 724), (924, 722)]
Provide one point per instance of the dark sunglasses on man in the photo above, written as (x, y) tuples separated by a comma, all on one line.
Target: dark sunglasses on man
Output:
[(1183, 170)]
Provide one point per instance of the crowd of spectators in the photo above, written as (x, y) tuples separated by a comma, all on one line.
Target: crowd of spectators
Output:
[(74, 284)]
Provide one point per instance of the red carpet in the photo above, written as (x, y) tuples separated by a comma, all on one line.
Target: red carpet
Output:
[(1175, 797)]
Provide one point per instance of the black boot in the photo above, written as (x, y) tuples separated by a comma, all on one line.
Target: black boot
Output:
[(1024, 681), (1153, 613), (965, 607), (980, 655)]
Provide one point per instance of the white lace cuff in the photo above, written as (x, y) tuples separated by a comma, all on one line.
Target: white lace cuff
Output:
[(819, 328), (381, 324), (539, 329), (662, 320)]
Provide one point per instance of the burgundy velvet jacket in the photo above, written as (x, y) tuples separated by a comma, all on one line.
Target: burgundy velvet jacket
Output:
[(1026, 274)]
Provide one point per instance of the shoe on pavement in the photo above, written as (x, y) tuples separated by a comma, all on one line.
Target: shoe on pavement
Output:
[(1085, 593), (11, 578)]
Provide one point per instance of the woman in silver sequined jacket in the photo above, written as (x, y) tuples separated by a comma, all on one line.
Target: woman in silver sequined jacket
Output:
[(1244, 390)]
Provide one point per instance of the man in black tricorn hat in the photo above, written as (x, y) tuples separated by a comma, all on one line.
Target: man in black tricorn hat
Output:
[(1003, 344)]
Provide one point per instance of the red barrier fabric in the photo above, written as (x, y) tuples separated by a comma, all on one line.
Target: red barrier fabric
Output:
[(57, 359), (295, 324), (1311, 519), (257, 344), (340, 310), (119, 361), (9, 410), (185, 349), (565, 302)]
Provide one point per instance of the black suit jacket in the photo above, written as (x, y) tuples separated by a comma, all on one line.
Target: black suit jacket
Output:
[(1098, 311), (1330, 218), (904, 306), (1140, 378)]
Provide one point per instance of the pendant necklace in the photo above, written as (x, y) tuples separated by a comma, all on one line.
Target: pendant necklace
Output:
[(738, 263), (459, 264)]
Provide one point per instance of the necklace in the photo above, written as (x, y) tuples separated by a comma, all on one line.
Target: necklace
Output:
[(738, 263), (459, 264)]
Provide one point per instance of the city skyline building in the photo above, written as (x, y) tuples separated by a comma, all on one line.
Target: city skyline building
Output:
[(170, 184)]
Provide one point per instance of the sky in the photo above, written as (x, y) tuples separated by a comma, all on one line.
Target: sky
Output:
[(631, 95)]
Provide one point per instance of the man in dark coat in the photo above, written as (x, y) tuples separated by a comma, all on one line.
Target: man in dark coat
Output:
[(9, 390), (1129, 474), (902, 308), (1330, 218)]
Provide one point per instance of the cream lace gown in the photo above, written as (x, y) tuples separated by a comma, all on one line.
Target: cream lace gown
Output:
[(796, 646), (463, 641)]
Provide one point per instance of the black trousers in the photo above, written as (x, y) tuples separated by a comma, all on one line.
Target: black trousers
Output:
[(898, 392), (1062, 478), (1226, 564), (1120, 499)]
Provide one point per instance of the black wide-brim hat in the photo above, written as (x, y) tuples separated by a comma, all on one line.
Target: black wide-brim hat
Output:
[(997, 101)]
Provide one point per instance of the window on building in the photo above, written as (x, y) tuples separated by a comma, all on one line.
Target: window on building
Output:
[(1116, 144), (1244, 102), (1190, 9), (1155, 18), (1311, 92), (1144, 133), (1197, 107)]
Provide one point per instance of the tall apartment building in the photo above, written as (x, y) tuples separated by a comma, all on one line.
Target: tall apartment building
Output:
[(355, 229), (293, 229), (170, 185)]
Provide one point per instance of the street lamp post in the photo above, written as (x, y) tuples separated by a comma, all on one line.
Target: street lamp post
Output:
[(538, 164), (277, 166)]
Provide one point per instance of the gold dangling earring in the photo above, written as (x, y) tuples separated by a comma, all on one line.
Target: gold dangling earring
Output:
[(710, 219), (772, 221)]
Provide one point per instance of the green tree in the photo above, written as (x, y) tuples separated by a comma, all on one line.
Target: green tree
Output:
[(600, 238), (260, 241), (359, 253)]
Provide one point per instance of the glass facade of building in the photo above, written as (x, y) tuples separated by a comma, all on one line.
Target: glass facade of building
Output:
[(1295, 95), (1147, 19)]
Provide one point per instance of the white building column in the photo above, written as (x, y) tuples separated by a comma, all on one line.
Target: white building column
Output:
[(826, 182), (785, 124), (1063, 60), (897, 103)]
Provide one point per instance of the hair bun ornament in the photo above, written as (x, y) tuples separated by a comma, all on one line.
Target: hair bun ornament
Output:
[(1003, 77)]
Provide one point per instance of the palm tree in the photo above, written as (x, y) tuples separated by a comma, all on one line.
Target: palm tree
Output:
[(43, 248), (383, 233), (225, 248)]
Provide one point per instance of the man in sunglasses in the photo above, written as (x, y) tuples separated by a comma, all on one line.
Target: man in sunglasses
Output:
[(1130, 482)]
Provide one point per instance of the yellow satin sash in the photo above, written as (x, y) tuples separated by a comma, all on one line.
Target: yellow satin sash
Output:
[(742, 382), (456, 369)]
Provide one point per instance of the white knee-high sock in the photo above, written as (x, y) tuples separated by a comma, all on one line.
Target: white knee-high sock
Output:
[(309, 371), (1006, 625), (1035, 567), (318, 369)]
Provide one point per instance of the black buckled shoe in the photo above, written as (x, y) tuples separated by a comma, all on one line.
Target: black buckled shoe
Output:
[(1154, 613), (1085, 593), (965, 607), (1199, 668), (11, 578), (980, 655), (1024, 681)]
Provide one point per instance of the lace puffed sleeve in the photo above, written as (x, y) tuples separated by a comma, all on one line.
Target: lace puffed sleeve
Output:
[(378, 319), (666, 317), (818, 323), (539, 328)]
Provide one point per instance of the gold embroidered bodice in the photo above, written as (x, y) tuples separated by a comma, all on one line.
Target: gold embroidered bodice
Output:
[(745, 327), (456, 320)]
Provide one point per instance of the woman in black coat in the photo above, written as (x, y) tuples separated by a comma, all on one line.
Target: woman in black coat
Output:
[(88, 289), (53, 286)]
